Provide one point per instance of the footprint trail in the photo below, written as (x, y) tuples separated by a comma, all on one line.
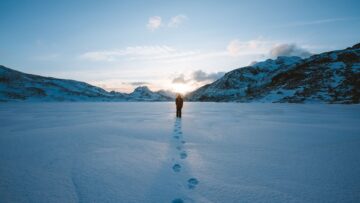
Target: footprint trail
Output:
[(190, 183)]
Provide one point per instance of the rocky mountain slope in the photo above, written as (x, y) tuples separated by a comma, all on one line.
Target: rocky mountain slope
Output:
[(331, 77), (18, 86)]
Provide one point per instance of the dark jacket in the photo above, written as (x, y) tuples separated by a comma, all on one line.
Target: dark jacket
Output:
[(179, 102)]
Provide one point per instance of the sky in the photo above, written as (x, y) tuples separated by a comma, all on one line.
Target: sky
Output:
[(173, 45)]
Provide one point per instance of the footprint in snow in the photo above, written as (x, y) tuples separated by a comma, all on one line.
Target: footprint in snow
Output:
[(183, 155), (176, 137), (183, 142), (176, 167), (192, 182), (178, 148)]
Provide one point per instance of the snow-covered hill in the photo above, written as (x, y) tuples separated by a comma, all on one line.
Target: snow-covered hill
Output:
[(331, 77), (143, 93), (18, 86)]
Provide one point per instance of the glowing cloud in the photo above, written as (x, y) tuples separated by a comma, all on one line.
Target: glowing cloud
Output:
[(154, 23)]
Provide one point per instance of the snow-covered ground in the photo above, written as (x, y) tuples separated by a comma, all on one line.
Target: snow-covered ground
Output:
[(218, 152)]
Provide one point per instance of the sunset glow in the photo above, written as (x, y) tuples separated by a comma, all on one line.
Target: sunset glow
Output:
[(181, 88), (175, 45)]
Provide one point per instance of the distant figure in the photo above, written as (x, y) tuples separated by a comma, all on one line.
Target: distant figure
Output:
[(179, 104)]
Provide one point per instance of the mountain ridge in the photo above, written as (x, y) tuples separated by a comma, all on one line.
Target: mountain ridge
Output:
[(19, 86), (329, 77)]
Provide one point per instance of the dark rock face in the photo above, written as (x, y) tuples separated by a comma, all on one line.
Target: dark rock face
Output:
[(331, 77)]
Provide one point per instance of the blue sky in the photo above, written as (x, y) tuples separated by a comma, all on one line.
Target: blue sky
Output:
[(163, 44)]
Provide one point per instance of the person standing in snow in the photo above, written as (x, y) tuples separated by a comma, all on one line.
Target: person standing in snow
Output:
[(179, 104)]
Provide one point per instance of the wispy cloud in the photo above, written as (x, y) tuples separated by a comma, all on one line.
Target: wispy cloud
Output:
[(257, 46), (154, 23), (177, 20), (138, 53), (316, 22), (138, 83)]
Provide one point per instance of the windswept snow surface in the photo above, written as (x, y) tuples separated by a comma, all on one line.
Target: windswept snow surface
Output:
[(218, 152)]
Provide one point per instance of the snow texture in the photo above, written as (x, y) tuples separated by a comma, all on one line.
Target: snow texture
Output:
[(218, 152)]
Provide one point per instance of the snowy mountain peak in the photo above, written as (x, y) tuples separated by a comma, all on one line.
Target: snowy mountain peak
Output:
[(356, 46), (142, 89), (331, 77), (273, 64), (143, 93), (18, 86)]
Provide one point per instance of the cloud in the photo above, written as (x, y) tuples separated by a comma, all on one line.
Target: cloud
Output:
[(265, 49), (257, 46), (316, 22), (180, 79), (198, 76), (288, 50), (154, 23), (234, 47), (201, 76), (138, 83), (145, 53), (177, 20)]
